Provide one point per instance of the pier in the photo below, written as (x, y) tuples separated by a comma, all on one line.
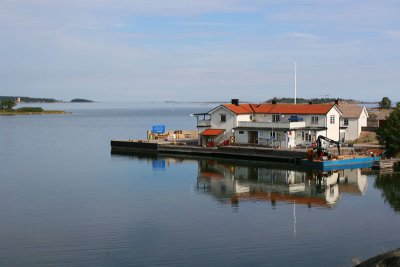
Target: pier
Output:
[(238, 152)]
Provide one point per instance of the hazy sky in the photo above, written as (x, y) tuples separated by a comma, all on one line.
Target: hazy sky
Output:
[(206, 50)]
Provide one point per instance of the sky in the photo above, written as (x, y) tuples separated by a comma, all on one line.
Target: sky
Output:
[(199, 50)]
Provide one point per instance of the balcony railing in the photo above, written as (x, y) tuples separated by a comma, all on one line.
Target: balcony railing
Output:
[(275, 125), (204, 123)]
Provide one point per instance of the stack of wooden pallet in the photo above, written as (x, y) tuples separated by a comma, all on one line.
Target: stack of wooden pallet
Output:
[(383, 164)]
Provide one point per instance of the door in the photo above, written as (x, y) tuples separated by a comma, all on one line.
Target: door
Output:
[(253, 137)]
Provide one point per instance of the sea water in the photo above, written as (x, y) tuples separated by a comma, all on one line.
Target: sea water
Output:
[(65, 200)]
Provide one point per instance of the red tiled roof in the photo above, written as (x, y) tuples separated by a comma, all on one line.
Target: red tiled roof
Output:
[(268, 108), (240, 109), (212, 132)]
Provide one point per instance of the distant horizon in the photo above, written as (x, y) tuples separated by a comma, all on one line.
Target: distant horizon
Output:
[(182, 101)]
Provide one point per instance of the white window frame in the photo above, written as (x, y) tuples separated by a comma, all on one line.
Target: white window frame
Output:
[(276, 118), (314, 119), (332, 119), (306, 136)]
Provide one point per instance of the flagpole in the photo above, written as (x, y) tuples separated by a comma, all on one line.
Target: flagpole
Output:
[(295, 80)]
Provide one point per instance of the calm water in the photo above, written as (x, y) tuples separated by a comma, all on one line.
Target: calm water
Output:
[(66, 201)]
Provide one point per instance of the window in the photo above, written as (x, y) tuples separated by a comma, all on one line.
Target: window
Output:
[(345, 121), (332, 119), (241, 132), (275, 118), (272, 135), (314, 119), (223, 118)]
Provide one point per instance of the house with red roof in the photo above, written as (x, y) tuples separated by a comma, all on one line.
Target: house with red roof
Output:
[(353, 118), (269, 124)]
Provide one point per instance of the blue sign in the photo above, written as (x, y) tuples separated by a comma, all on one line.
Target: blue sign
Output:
[(158, 129)]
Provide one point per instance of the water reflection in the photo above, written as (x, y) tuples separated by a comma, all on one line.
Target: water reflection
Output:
[(234, 183), (390, 186)]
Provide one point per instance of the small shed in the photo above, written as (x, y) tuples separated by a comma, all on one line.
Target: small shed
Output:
[(211, 137)]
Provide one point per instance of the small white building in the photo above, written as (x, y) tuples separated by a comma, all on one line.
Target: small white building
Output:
[(274, 125), (353, 118)]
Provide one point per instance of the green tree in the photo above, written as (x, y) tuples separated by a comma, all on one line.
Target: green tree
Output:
[(7, 104), (389, 133), (386, 103)]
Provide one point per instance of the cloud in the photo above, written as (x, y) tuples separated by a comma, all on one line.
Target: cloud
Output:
[(191, 49), (307, 37)]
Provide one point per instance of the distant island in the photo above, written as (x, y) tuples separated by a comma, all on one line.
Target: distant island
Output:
[(286, 100), (81, 100), (26, 99), (312, 100), (7, 109)]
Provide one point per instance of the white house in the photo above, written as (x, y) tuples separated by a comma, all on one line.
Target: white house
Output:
[(353, 118), (278, 125)]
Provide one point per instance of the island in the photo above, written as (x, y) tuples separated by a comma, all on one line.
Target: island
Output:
[(81, 100), (25, 99), (7, 108)]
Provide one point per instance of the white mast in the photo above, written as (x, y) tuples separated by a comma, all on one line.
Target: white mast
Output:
[(295, 80)]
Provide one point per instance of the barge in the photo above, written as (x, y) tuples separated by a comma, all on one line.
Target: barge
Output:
[(345, 162)]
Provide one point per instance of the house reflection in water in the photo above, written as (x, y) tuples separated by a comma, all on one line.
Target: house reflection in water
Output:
[(235, 183)]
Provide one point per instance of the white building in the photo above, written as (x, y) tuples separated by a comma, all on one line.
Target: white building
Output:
[(353, 118), (277, 125)]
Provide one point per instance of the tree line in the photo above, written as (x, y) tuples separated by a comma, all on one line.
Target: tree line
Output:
[(29, 99)]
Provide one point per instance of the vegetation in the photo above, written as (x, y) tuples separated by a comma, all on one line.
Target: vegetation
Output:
[(80, 100), (7, 104), (385, 103), (29, 99), (30, 109), (307, 100), (389, 133)]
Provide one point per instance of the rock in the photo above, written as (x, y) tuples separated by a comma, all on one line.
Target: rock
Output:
[(391, 258)]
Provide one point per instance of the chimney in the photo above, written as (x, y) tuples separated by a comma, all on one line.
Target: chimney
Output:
[(235, 101), (274, 102), (337, 101)]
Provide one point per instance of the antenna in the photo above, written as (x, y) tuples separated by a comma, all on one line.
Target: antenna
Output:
[(295, 80)]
